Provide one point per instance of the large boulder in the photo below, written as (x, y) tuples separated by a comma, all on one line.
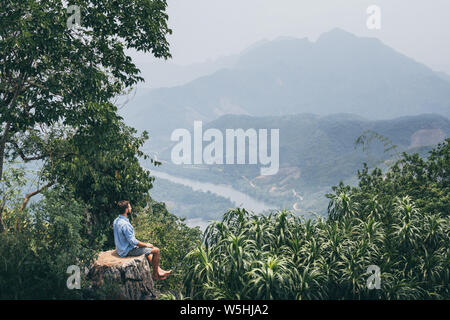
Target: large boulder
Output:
[(130, 277)]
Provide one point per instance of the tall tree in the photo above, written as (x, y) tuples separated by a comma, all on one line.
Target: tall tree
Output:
[(58, 77)]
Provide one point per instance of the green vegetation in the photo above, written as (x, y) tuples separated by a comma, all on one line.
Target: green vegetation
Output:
[(40, 243), (158, 226), (398, 221), (56, 88), (56, 115)]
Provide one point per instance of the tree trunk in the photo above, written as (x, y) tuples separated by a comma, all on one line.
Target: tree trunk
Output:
[(2, 227), (3, 140), (132, 276)]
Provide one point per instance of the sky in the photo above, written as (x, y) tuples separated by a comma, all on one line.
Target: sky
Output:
[(209, 29)]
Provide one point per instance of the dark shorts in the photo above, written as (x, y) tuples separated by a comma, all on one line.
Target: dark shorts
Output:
[(139, 251)]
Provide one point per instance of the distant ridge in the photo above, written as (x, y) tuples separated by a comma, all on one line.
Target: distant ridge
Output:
[(317, 152)]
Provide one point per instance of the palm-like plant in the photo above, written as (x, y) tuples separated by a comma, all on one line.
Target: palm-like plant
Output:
[(282, 256)]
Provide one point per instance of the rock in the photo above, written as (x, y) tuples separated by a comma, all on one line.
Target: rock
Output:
[(131, 276)]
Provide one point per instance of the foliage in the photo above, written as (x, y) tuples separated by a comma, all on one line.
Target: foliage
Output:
[(10, 192), (56, 88), (426, 181), (104, 168), (50, 238), (51, 73), (397, 221), (39, 243), (166, 231)]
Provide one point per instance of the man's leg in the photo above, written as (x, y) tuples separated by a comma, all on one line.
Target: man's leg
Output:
[(154, 258)]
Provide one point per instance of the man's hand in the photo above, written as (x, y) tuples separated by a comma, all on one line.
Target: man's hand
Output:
[(145, 245)]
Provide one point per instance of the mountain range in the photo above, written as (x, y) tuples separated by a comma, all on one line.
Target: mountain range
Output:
[(321, 95), (339, 73)]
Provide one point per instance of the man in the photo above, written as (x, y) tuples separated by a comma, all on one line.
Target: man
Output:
[(128, 246)]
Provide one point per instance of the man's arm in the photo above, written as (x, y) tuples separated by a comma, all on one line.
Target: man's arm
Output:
[(129, 234)]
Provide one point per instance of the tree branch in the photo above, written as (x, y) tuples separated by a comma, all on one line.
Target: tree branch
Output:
[(22, 154), (32, 194)]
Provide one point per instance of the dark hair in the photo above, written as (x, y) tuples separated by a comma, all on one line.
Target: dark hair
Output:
[(123, 205)]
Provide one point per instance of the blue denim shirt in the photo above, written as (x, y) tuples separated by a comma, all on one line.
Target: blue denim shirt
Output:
[(124, 236)]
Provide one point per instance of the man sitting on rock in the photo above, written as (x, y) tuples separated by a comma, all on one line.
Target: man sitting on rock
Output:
[(128, 246)]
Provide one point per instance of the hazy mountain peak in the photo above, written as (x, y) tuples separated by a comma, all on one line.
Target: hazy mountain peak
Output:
[(337, 34), (255, 45), (340, 73), (279, 42)]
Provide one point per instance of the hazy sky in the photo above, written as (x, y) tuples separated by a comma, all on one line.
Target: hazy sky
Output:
[(208, 29)]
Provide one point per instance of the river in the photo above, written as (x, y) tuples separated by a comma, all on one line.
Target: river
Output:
[(238, 198)]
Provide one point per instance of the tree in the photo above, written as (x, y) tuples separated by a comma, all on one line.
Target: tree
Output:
[(56, 85), (426, 181)]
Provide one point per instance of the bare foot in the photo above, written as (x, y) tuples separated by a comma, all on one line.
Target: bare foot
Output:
[(163, 273), (158, 277), (161, 270)]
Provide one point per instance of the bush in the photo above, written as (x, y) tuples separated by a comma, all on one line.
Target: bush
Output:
[(397, 221), (166, 231), (49, 238)]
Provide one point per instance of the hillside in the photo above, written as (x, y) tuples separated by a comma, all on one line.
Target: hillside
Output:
[(316, 152)]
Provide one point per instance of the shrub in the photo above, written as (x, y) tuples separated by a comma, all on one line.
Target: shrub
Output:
[(49, 238), (396, 220), (168, 232)]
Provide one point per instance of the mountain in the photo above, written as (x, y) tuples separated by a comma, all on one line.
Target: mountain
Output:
[(315, 153), (339, 73)]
